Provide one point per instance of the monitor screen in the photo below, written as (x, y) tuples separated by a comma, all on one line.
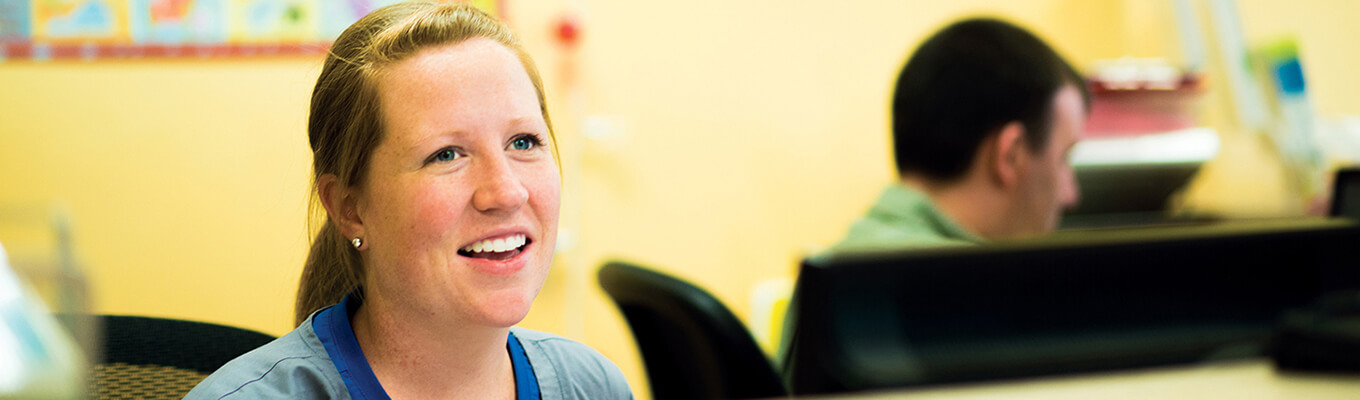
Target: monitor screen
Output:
[(1102, 301), (1346, 194), (1126, 194)]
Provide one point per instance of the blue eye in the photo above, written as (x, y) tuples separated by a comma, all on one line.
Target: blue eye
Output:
[(525, 142), (444, 155)]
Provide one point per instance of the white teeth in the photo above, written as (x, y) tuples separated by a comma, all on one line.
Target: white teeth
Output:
[(497, 245)]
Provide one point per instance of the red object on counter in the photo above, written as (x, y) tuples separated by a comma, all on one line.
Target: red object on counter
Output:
[(1119, 111)]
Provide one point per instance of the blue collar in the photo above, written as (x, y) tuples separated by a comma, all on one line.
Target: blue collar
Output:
[(332, 327)]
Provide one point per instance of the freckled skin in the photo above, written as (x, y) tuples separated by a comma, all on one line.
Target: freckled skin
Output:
[(420, 206)]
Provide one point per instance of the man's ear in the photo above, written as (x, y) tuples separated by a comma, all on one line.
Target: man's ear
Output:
[(1007, 160), (342, 205)]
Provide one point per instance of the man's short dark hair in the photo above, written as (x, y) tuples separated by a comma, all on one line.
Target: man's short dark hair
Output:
[(964, 84)]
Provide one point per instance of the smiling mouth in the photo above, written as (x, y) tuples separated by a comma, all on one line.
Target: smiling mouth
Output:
[(496, 249)]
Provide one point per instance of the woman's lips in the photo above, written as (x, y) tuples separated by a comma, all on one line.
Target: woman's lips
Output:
[(498, 256), (503, 248)]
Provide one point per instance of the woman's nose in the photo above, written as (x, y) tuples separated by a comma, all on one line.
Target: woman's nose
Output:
[(498, 188)]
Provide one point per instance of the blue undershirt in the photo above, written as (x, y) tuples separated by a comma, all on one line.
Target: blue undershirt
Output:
[(333, 328)]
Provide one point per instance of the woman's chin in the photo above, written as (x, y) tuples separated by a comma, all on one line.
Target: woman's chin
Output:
[(505, 312), (505, 320)]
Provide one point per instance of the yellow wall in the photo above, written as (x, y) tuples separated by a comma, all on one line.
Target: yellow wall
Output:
[(747, 133), (1326, 30), (185, 180)]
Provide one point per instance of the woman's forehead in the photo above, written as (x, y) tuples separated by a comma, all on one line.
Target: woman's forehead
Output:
[(451, 84)]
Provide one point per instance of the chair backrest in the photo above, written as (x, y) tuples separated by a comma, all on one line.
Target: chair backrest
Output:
[(693, 346), (163, 358)]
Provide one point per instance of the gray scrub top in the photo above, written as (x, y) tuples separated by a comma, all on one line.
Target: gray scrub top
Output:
[(299, 365)]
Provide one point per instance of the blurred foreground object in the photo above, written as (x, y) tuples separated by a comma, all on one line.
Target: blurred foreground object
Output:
[(38, 358)]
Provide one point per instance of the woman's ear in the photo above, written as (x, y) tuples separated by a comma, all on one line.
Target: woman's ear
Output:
[(1010, 142), (341, 203)]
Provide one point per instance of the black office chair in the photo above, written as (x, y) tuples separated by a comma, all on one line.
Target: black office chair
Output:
[(692, 346), (147, 358)]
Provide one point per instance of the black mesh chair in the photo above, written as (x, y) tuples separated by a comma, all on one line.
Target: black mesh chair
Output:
[(692, 345), (150, 358)]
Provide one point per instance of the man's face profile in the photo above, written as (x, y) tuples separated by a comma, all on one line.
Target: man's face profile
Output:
[(1049, 185)]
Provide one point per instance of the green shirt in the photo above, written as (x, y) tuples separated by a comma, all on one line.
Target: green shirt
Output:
[(905, 217)]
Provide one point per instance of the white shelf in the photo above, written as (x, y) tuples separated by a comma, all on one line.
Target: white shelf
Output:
[(1193, 145)]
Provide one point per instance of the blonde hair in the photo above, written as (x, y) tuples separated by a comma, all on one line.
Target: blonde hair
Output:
[(346, 122)]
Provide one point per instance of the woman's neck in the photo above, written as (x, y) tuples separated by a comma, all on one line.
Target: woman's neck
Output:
[(416, 357)]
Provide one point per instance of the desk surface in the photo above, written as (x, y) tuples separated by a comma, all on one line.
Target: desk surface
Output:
[(1251, 379)]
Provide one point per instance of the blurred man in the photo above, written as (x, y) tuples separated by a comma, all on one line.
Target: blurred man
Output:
[(984, 116)]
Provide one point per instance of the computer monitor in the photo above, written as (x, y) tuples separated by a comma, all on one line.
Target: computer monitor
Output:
[(1346, 193), (1100, 301), (1127, 194)]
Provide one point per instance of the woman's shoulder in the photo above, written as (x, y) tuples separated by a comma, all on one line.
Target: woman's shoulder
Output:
[(560, 351), (293, 366), (570, 370)]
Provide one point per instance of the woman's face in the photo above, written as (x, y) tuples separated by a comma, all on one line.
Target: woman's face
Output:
[(459, 205)]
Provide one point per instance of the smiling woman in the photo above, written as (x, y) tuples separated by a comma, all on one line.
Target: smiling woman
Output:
[(434, 162), (463, 163)]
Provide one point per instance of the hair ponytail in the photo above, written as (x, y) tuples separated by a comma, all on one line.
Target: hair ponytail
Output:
[(331, 271)]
